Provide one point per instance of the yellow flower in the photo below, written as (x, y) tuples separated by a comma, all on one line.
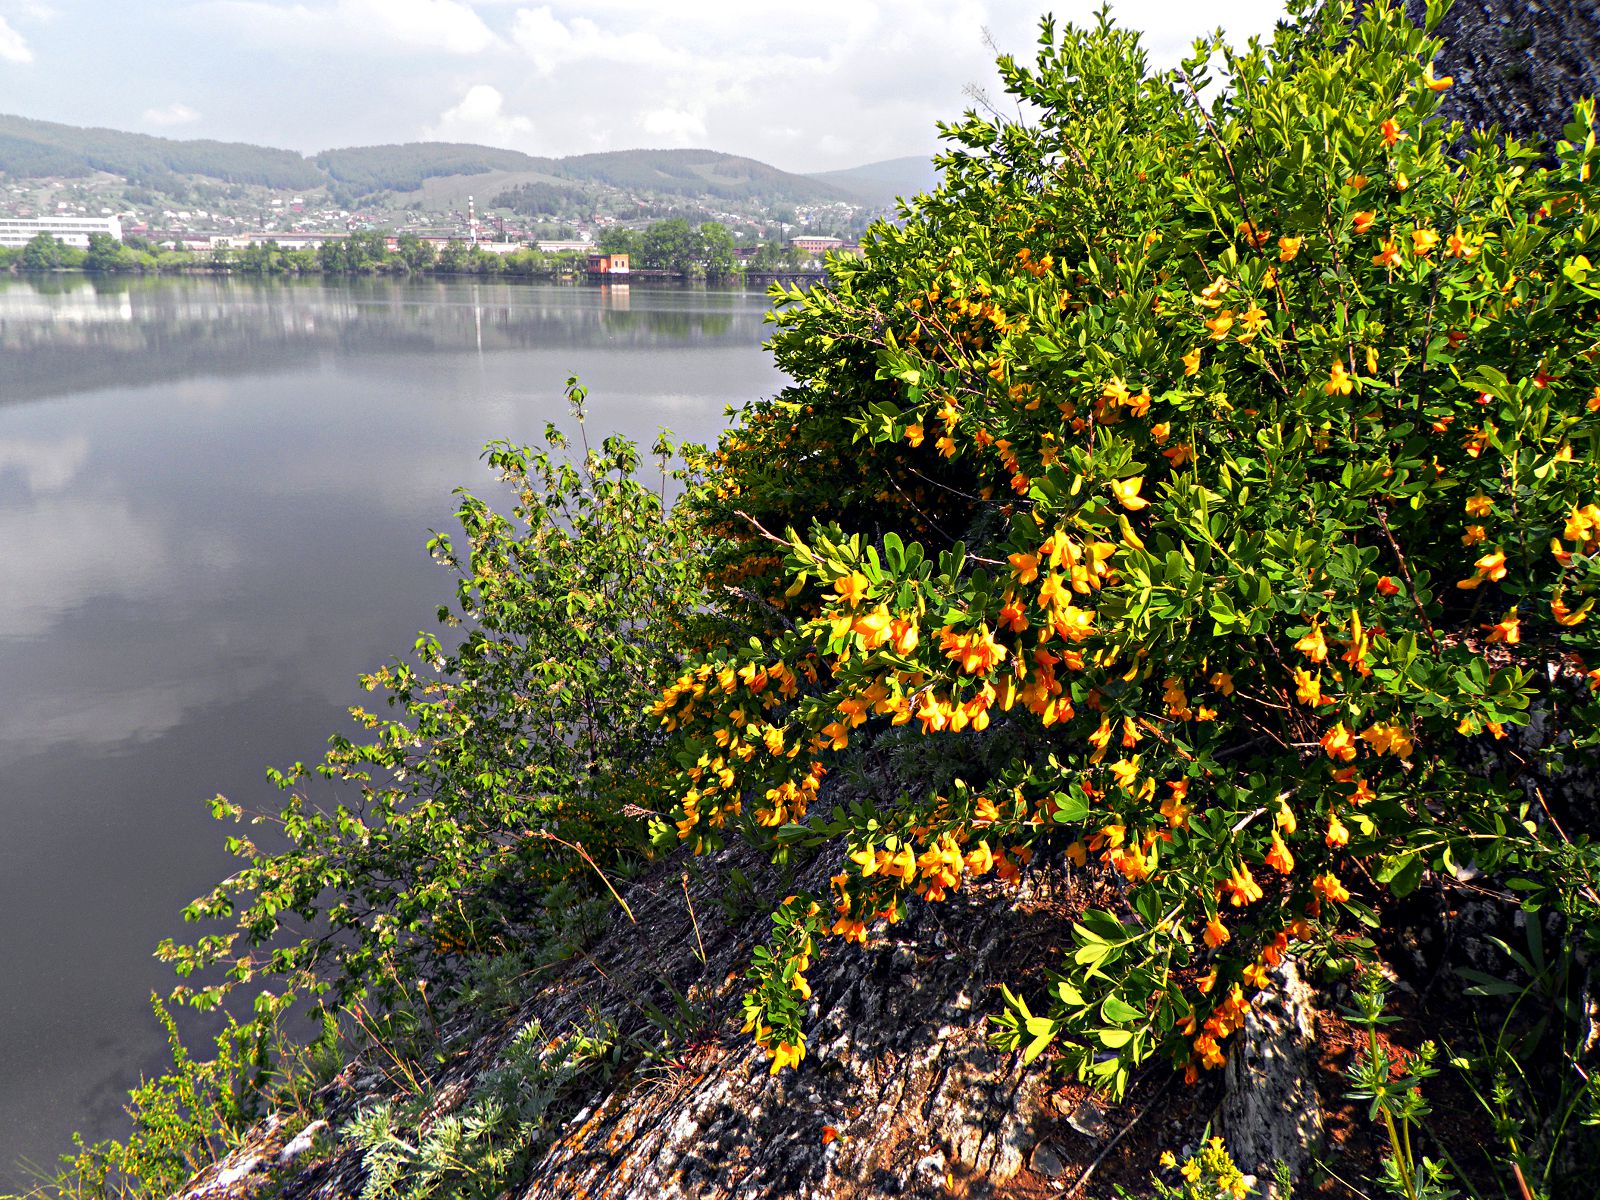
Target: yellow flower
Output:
[(1191, 364), (1423, 241), (1220, 324), (1479, 505), (1339, 381), (1388, 256), (1252, 320), (1436, 83), (1288, 247), (1459, 247), (851, 587), (1127, 492), (1363, 220), (914, 435), (1314, 646)]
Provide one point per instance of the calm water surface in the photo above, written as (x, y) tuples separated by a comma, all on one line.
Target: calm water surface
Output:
[(213, 502)]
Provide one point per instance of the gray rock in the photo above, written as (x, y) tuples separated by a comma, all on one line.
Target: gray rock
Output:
[(1270, 1111)]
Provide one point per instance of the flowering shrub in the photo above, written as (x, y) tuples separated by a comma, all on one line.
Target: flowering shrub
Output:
[(1221, 479)]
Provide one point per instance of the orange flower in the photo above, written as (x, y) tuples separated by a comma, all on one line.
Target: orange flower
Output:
[(1423, 242), (1288, 247), (1506, 630), (1388, 587), (1216, 933), (1567, 616), (1491, 566), (1436, 83), (1026, 566), (1459, 247), (1388, 256), (1314, 646), (851, 587), (1308, 687), (1337, 834), (1363, 220), (1339, 743), (1328, 886), (1479, 505), (1392, 133), (1220, 324), (1278, 857)]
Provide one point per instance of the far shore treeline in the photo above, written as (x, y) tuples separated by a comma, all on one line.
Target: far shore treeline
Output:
[(674, 247)]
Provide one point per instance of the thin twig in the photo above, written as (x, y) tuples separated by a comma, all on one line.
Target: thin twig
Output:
[(1083, 1180), (690, 902)]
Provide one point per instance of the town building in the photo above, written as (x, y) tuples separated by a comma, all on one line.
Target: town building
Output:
[(817, 245), (608, 264), (72, 231)]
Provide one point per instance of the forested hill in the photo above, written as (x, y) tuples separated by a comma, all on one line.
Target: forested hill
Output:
[(38, 149), (698, 173)]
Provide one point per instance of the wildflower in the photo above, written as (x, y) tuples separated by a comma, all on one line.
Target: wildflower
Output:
[(1387, 587), (1191, 364), (1278, 856), (1479, 505), (1423, 242), (1241, 887), (1473, 535), (1339, 381), (1216, 933), (1220, 324), (1337, 834), (1288, 247), (1328, 886), (1308, 687), (1313, 645), (1459, 247), (1567, 616), (1026, 567), (1388, 256), (1339, 743), (1436, 83), (1491, 567), (851, 587), (1506, 630), (1363, 220), (1392, 132), (1127, 492), (1357, 182), (914, 435), (1252, 320)]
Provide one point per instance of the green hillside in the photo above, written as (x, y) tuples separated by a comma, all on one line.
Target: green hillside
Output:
[(880, 184), (29, 149), (403, 168), (698, 173)]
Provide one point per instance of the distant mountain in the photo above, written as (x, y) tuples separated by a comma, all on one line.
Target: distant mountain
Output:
[(37, 149), (403, 168), (880, 184), (698, 173), (30, 149)]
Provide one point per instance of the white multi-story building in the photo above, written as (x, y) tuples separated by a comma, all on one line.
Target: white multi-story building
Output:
[(72, 231)]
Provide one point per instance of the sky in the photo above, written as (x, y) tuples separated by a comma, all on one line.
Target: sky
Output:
[(805, 86)]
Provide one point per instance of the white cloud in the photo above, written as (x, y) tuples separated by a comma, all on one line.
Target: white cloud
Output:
[(13, 47), (681, 127), (480, 117), (447, 26), (172, 114), (551, 42)]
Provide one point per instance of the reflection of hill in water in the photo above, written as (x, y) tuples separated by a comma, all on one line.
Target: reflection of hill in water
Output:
[(71, 334)]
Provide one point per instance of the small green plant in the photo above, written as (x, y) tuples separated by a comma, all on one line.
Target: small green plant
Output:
[(1529, 1074), (412, 1152), (1393, 1085)]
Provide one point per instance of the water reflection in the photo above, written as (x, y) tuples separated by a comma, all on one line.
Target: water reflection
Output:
[(212, 526)]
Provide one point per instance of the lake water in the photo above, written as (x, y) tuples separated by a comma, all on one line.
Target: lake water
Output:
[(214, 498)]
